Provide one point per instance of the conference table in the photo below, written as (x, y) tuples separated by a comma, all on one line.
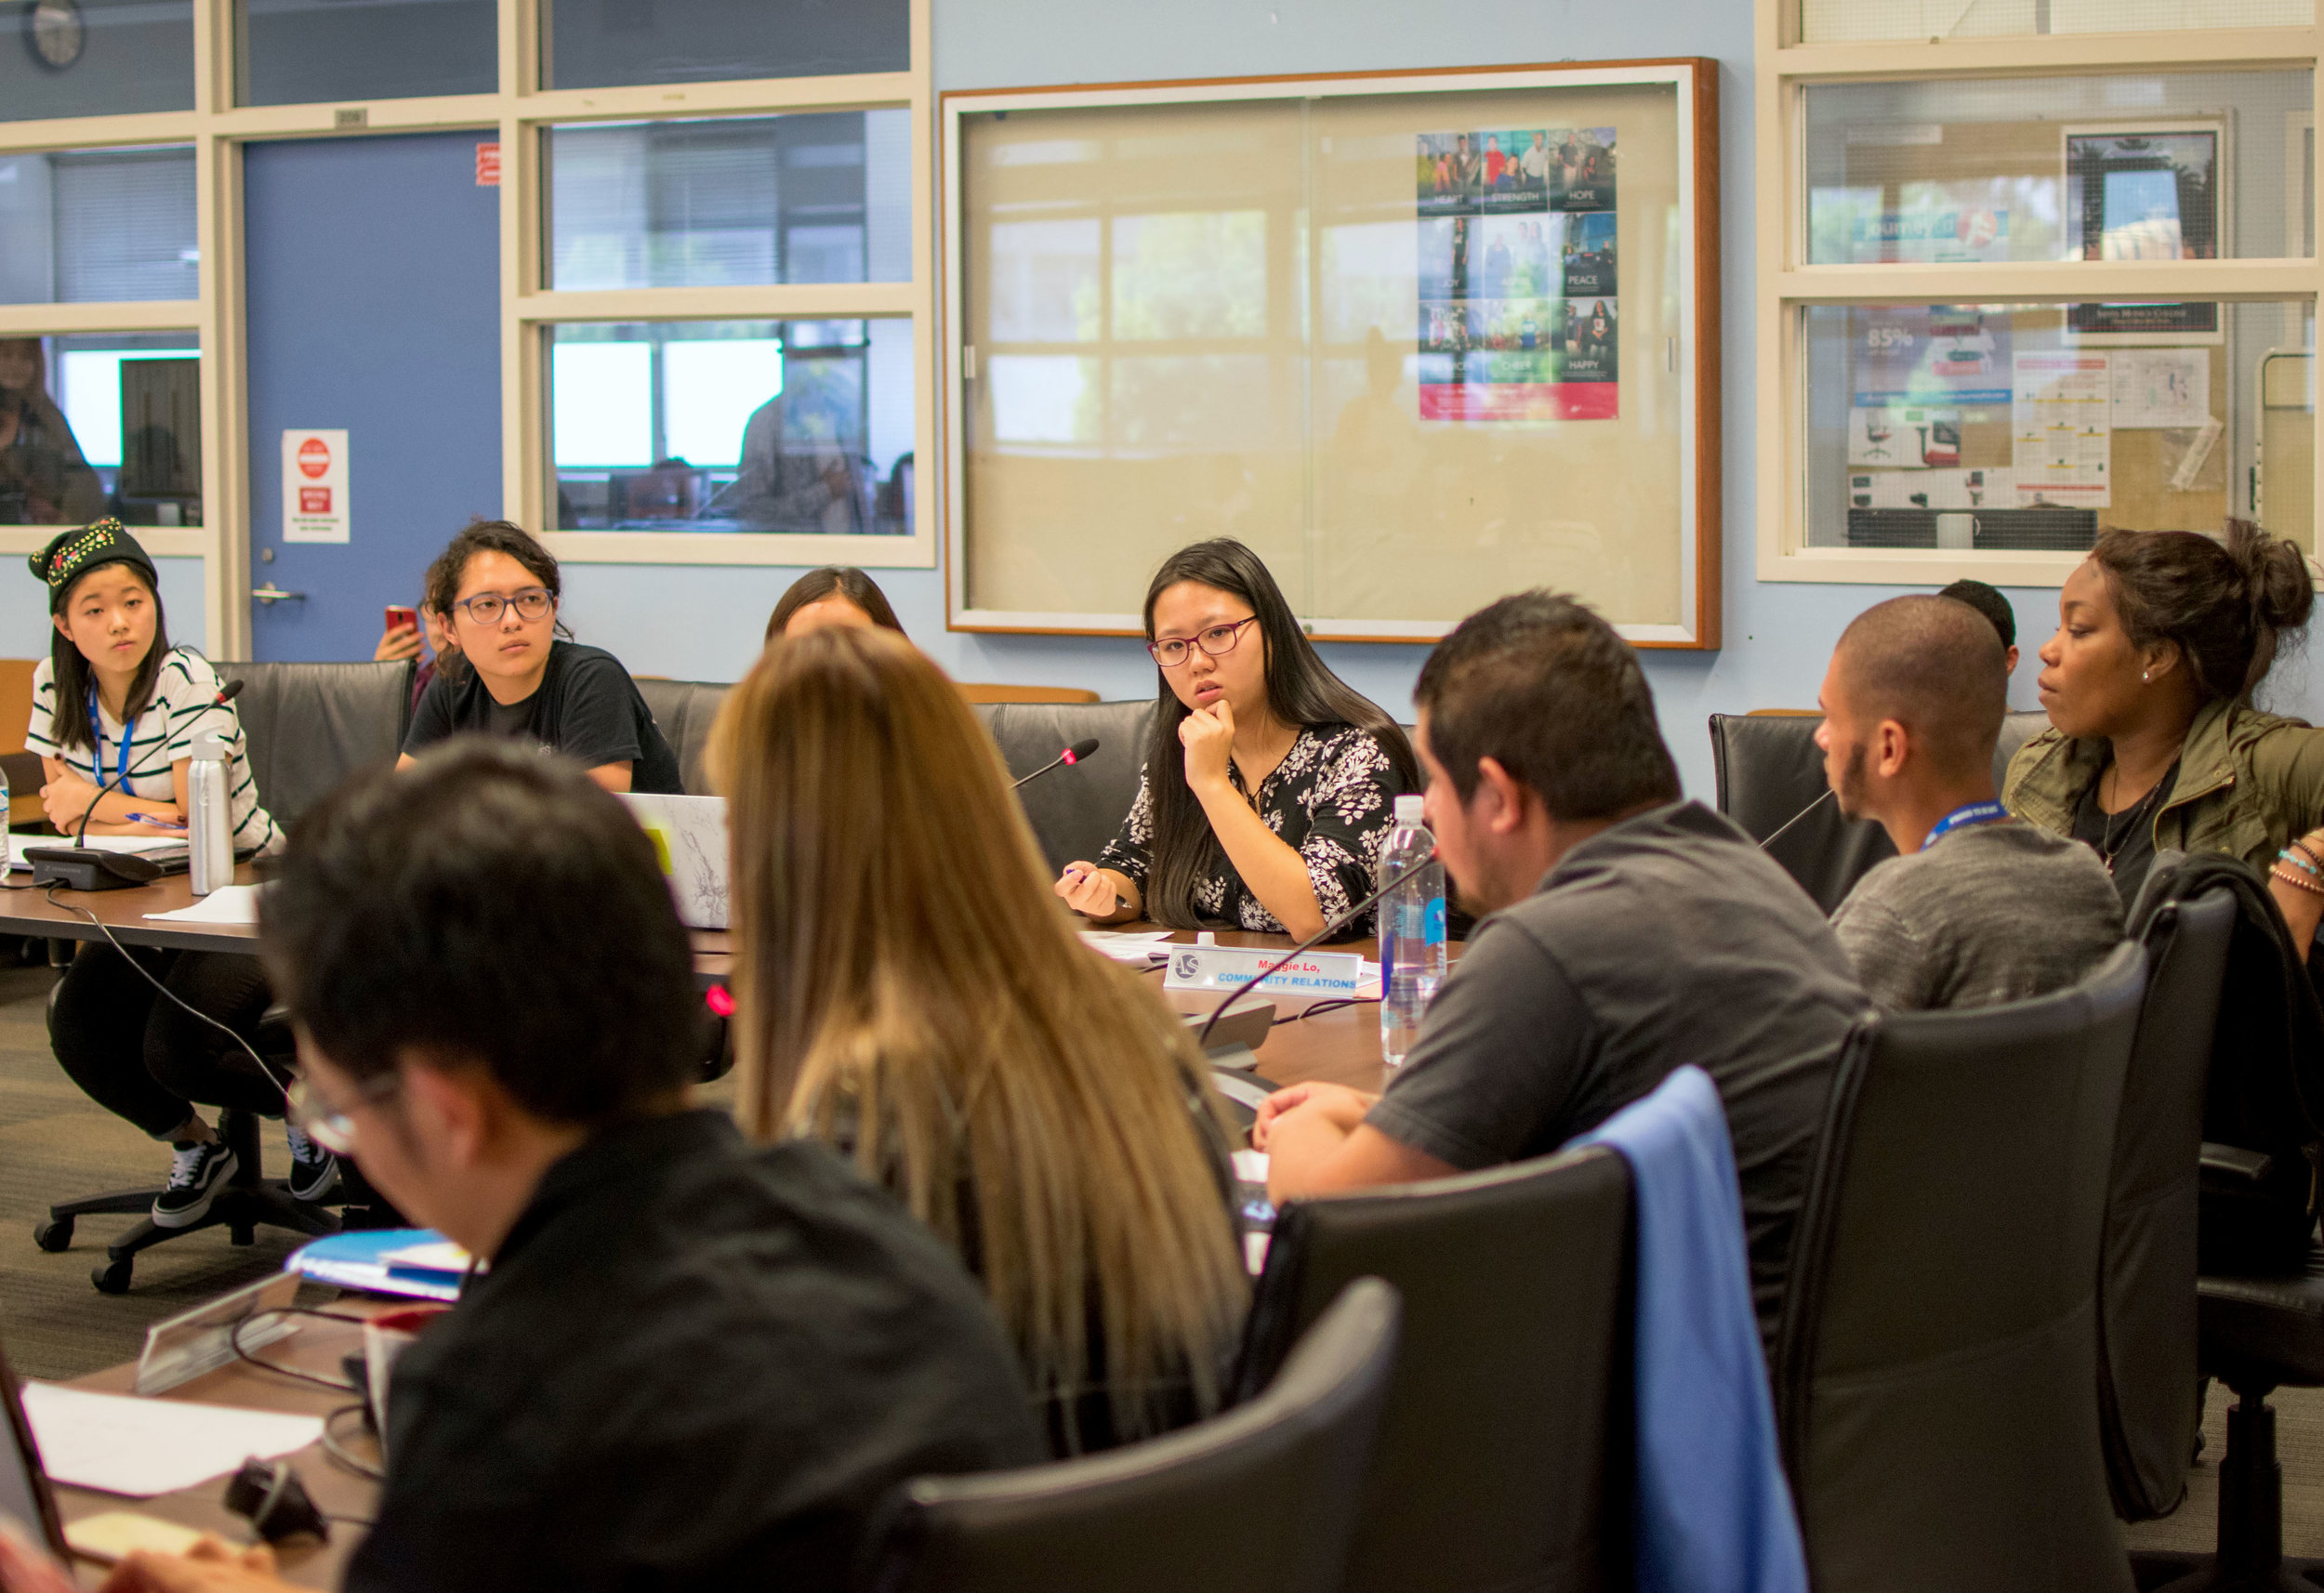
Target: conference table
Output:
[(1336, 1043)]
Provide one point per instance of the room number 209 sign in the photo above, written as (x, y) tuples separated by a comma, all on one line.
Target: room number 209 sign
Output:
[(315, 486)]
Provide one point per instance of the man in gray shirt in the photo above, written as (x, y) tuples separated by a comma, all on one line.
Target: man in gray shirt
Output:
[(1977, 908), (1631, 932)]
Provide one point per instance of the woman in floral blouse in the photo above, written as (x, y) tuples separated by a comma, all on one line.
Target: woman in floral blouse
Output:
[(1268, 783)]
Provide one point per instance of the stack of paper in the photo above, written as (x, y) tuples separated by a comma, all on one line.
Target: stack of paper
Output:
[(153, 843), (417, 1263), (142, 1447)]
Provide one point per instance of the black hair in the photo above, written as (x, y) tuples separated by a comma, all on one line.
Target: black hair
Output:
[(1936, 667), (494, 906), (1545, 687), (1301, 692), (2225, 602), (1989, 602), (817, 584), (68, 716), (487, 536)]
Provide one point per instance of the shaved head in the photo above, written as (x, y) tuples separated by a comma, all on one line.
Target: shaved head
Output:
[(1935, 666)]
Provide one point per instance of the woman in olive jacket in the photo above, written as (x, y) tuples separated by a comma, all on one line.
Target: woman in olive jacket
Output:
[(2154, 744)]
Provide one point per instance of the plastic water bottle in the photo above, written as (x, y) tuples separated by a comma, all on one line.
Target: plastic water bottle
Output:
[(209, 839), (1411, 932)]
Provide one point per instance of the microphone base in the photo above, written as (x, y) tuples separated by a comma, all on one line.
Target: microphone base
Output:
[(87, 868)]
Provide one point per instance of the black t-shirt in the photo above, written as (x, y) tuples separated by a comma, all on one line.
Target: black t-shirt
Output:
[(1665, 939), (587, 708), (2124, 841), (692, 1365)]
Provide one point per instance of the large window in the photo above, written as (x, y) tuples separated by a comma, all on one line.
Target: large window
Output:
[(2012, 310), (598, 44), (88, 226)]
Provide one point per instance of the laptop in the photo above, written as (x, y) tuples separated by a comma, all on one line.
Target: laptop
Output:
[(689, 836), (26, 1500)]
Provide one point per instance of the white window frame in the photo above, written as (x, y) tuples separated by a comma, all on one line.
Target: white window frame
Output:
[(1784, 70), (518, 112)]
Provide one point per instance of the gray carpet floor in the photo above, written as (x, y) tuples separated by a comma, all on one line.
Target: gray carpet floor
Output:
[(55, 1144)]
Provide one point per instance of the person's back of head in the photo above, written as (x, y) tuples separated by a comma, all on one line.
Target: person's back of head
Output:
[(1989, 601), (1933, 665), (492, 908), (908, 988), (1547, 689), (2225, 602)]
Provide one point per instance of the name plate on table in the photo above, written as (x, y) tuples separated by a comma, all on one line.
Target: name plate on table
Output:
[(1318, 974)]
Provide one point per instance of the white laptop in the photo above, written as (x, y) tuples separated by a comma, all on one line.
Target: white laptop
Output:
[(689, 834)]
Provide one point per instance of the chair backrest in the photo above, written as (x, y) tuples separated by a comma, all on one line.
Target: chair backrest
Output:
[(684, 709), (1937, 1371), (2146, 1364), (1074, 810), (1261, 1499), (1512, 1399), (309, 726), (980, 691), (1770, 772)]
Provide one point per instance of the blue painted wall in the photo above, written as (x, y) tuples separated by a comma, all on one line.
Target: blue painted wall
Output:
[(373, 293)]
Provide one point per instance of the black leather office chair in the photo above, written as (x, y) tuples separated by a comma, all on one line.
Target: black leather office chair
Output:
[(1503, 1459), (309, 726), (1937, 1379), (1074, 810), (2147, 1375), (1261, 1499), (685, 710), (1770, 774)]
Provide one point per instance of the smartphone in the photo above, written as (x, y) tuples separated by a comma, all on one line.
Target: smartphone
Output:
[(399, 616)]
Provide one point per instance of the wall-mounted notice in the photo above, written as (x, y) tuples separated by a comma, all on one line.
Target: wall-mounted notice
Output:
[(1519, 299), (2061, 417), (2162, 388), (315, 486)]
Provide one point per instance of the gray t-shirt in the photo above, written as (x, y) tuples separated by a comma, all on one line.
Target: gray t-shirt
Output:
[(1983, 915), (1665, 939)]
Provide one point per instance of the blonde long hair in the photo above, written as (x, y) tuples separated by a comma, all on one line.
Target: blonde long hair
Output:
[(905, 979)]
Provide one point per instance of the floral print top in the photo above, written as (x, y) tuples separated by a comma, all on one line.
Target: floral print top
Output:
[(1331, 799)]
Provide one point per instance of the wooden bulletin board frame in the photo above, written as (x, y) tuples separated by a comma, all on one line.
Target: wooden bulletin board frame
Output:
[(1693, 359)]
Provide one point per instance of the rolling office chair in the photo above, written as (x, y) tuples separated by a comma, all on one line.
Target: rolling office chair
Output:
[(1206, 1508), (1503, 1459), (1937, 1373)]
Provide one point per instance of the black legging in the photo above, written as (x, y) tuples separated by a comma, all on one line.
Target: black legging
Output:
[(142, 1056)]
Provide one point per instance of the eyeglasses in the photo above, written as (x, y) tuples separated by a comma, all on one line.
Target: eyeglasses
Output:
[(329, 1126), (1218, 641), (486, 608)]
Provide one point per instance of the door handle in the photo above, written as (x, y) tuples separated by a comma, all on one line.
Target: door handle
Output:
[(270, 594)]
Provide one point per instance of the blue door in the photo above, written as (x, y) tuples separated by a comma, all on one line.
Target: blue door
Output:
[(372, 296)]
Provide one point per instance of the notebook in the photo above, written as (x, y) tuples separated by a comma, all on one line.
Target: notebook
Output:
[(689, 836)]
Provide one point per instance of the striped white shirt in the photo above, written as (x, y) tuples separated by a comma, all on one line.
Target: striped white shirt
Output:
[(185, 705)]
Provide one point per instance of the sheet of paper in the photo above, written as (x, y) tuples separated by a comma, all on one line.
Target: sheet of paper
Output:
[(156, 842), (1127, 945), (2161, 387), (121, 1444), (226, 905), (2061, 419)]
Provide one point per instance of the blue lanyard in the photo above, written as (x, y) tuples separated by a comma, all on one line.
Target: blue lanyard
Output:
[(96, 748), (1966, 814)]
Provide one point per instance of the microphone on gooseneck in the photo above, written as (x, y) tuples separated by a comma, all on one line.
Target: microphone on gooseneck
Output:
[(1796, 817), (1073, 754), (225, 694), (1323, 934)]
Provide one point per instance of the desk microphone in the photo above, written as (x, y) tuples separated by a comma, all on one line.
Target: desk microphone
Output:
[(1073, 754), (225, 694), (1341, 922), (1796, 817)]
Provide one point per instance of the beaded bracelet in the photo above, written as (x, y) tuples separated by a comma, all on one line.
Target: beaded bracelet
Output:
[(2301, 847), (2305, 864), (2295, 881)]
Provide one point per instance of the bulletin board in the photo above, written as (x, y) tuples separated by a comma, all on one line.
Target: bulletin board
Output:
[(1420, 339)]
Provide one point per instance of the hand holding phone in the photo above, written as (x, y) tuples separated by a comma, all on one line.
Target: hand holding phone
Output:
[(401, 639)]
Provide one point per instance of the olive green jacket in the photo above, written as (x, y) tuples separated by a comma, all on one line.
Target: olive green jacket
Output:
[(2249, 783)]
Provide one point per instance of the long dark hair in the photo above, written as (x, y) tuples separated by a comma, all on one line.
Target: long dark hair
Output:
[(487, 536), (2226, 604), (67, 718), (843, 579), (1300, 690)]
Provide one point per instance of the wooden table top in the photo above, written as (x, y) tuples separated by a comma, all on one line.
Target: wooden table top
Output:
[(1339, 1044)]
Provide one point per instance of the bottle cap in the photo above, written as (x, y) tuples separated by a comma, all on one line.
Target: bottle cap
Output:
[(1409, 810), (208, 747)]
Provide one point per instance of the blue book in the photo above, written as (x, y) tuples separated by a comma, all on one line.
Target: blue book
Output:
[(417, 1263)]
